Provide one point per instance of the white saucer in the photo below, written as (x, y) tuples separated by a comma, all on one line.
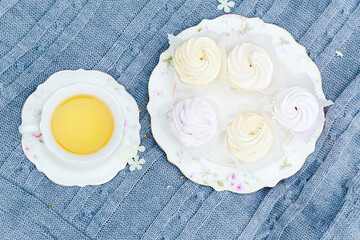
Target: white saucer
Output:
[(71, 173)]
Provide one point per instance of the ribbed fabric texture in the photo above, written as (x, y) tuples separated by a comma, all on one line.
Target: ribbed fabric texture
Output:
[(125, 39)]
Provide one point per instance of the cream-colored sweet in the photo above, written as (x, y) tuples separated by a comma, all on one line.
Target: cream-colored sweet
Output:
[(249, 68), (198, 61), (296, 109), (193, 122), (249, 137)]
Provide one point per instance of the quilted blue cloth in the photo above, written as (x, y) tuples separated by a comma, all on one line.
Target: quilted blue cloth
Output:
[(125, 39)]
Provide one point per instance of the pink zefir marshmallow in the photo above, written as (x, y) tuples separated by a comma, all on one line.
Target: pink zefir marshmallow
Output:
[(193, 121), (297, 109)]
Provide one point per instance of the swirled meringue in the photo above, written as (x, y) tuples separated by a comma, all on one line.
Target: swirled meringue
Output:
[(193, 121), (250, 68), (198, 61), (249, 137), (296, 109)]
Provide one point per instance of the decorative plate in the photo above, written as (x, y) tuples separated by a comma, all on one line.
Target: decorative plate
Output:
[(79, 173), (226, 175)]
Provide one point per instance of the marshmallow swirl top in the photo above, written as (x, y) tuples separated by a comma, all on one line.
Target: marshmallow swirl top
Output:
[(296, 109), (249, 137), (198, 61), (193, 121), (249, 68)]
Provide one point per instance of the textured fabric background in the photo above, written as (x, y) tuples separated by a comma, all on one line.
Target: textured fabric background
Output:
[(125, 39)]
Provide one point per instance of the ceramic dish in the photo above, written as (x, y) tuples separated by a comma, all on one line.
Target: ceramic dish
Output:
[(224, 174), (62, 168)]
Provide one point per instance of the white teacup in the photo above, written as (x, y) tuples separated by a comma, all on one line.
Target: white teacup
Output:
[(60, 96)]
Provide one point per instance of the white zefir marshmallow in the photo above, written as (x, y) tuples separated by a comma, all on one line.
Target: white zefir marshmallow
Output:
[(198, 61), (249, 137), (249, 68)]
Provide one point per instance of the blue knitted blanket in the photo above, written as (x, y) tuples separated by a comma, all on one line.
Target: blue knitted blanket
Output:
[(125, 39)]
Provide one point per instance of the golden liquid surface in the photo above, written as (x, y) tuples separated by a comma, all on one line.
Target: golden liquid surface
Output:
[(82, 124)]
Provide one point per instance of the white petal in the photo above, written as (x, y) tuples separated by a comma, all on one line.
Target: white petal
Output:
[(220, 6), (132, 167), (142, 161), (141, 149), (139, 167), (231, 4), (131, 161), (226, 9), (222, 1), (136, 158)]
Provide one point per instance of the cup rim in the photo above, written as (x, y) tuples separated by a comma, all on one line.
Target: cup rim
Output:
[(62, 95)]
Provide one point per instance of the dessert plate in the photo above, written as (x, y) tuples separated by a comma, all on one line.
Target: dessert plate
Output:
[(225, 174), (89, 171)]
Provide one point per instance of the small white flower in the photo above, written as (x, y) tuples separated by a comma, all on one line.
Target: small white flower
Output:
[(226, 5), (135, 163), (338, 53)]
